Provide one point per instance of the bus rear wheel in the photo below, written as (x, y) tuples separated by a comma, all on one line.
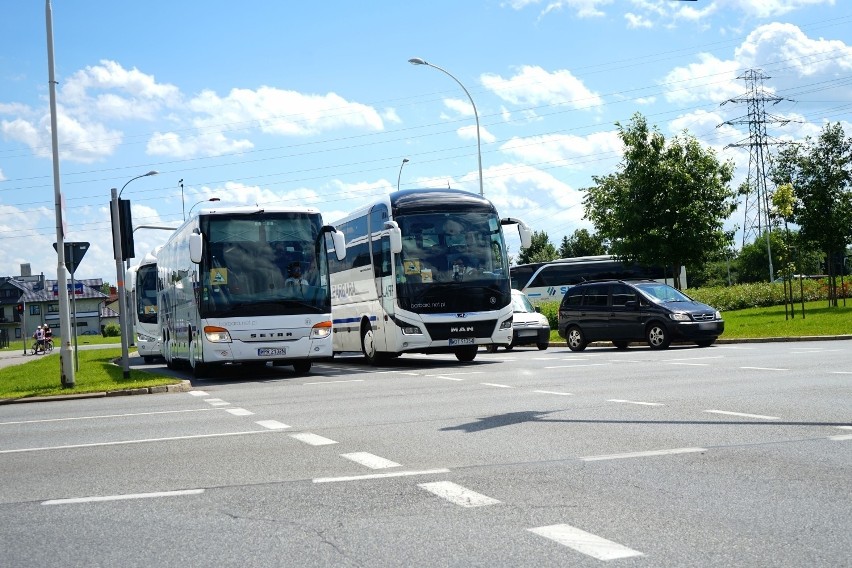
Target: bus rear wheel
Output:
[(467, 353)]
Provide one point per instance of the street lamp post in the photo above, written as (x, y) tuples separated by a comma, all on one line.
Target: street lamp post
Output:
[(182, 206), (418, 61), (119, 272), (404, 161), (203, 201)]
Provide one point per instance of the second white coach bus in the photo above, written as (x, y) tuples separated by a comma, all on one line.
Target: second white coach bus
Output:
[(142, 279), (247, 285), (548, 281), (425, 271)]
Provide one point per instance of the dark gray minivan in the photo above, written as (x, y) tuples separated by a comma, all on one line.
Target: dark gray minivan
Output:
[(622, 311)]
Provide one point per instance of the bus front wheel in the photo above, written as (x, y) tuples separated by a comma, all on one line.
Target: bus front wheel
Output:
[(467, 354), (302, 367), (368, 344)]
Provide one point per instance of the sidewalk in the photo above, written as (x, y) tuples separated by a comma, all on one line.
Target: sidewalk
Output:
[(18, 357)]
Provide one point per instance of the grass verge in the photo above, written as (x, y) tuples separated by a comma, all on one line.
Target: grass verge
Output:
[(96, 373)]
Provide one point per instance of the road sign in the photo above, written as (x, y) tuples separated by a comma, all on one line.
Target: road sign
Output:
[(74, 253)]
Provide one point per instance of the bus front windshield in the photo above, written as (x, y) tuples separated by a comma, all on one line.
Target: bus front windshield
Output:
[(146, 294), (264, 264), (442, 252)]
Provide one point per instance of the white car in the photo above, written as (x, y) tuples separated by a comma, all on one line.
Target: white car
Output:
[(529, 327)]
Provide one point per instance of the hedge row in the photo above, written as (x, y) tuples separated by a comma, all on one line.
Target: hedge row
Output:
[(739, 297)]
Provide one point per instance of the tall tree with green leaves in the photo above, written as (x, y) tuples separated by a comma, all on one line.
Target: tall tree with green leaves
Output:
[(667, 202), (820, 172), (540, 249), (581, 243)]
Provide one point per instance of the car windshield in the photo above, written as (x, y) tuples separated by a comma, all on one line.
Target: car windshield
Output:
[(660, 293), (522, 304)]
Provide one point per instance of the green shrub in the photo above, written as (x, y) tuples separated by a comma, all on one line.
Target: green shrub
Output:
[(112, 330)]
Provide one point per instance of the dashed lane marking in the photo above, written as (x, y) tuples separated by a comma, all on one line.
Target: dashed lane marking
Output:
[(312, 439), (216, 402), (555, 392), (643, 454), (497, 385), (335, 382), (743, 414), (636, 402), (379, 475), (198, 393), (576, 366), (239, 411), (272, 424), (123, 497), (369, 460), (841, 437), (763, 369), (457, 494), (585, 542)]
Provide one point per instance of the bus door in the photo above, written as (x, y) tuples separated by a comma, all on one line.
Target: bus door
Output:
[(382, 274)]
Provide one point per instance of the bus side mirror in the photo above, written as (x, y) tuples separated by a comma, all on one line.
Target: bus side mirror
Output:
[(526, 237), (523, 230), (196, 247), (339, 244), (394, 236)]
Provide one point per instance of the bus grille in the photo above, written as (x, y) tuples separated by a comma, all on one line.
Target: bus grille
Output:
[(461, 328)]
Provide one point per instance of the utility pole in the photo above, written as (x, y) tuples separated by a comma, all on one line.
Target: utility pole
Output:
[(758, 196)]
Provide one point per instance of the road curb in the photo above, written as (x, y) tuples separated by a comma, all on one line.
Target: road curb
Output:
[(183, 386)]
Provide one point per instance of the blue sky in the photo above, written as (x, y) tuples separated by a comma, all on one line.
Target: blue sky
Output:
[(315, 103)]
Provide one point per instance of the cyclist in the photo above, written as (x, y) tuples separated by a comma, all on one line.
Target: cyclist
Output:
[(48, 337), (38, 335)]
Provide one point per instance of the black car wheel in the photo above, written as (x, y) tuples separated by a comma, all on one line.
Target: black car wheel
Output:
[(706, 342), (657, 336), (575, 339), (621, 344)]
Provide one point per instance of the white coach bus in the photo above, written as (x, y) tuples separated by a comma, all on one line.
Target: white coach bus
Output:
[(425, 271), (548, 281), (247, 285), (142, 279)]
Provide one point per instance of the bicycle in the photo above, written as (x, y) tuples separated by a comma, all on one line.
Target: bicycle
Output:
[(37, 349)]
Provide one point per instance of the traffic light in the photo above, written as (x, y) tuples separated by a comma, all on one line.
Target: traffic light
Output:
[(20, 308)]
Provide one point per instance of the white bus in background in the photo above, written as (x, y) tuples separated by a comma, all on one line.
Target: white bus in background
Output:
[(425, 271), (548, 281), (247, 285), (142, 279)]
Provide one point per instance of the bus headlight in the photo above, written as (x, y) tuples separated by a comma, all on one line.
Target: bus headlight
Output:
[(144, 337), (506, 324), (409, 329), (321, 330), (216, 334)]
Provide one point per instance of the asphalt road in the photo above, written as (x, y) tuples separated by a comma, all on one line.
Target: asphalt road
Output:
[(733, 455)]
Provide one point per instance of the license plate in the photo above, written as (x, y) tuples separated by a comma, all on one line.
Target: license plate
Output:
[(461, 341), (267, 351), (527, 333)]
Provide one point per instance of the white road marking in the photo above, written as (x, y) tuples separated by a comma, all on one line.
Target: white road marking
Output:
[(333, 382), (636, 402), (272, 424), (369, 460), (141, 441), (497, 385), (445, 378), (198, 393), (841, 437), (688, 364), (842, 372), (764, 369), (458, 373), (743, 414), (577, 366), (555, 392), (457, 494), (96, 417), (216, 402), (123, 497), (312, 439), (379, 475), (239, 411), (587, 543), (643, 454), (844, 427), (697, 358)]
